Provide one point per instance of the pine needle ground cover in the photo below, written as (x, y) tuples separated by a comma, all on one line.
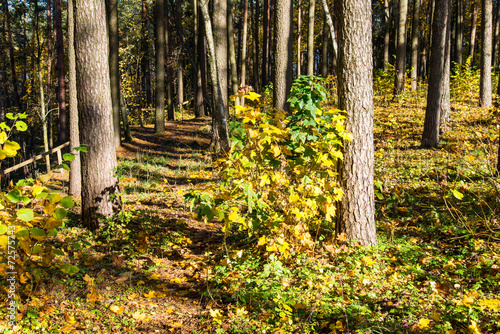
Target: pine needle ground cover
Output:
[(158, 269)]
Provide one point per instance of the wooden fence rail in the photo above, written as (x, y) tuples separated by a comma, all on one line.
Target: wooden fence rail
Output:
[(37, 157)]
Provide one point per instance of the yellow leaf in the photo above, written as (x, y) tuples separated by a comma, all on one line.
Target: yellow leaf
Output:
[(217, 315), (368, 260), (116, 309), (435, 316), (3, 137), (241, 312), (88, 279), (45, 178), (69, 318), (493, 304), (93, 296), (233, 216), (252, 96), (150, 294), (140, 316), (474, 328), (67, 328), (132, 296), (423, 323)]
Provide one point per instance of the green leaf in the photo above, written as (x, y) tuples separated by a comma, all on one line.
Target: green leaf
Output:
[(37, 232), (69, 156), (69, 269), (22, 115), (60, 213), (10, 115), (22, 234), (14, 196), (458, 195), (81, 149), (67, 202), (58, 252), (25, 214), (3, 229), (21, 126)]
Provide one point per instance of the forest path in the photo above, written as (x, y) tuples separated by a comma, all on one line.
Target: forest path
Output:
[(150, 271)]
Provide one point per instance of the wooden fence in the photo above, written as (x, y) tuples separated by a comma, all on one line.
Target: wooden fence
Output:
[(37, 157)]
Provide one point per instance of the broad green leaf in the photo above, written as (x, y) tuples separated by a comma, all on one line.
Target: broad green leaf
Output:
[(81, 149), (25, 214), (3, 229), (60, 213), (458, 195), (14, 196), (68, 156), (10, 115), (37, 232), (69, 269), (67, 202), (21, 126)]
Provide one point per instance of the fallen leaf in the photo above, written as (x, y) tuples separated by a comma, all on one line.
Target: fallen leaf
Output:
[(117, 309)]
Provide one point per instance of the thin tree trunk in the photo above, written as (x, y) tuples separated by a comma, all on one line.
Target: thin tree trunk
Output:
[(299, 36), (445, 95), (387, 32), (310, 38), (11, 55), (255, 45), (43, 116), (170, 87), (61, 77), (146, 76), (430, 136), (114, 67), (199, 107), (283, 53), (221, 48), (473, 31), (160, 66), (485, 96), (202, 59), (324, 54), (460, 32), (75, 176), (494, 57), (331, 26), (357, 210), (244, 48), (94, 97), (232, 51), (415, 32), (400, 67), (50, 50), (220, 134), (180, 83), (266, 42)]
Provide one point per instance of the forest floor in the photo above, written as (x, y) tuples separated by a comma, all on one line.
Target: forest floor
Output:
[(158, 270)]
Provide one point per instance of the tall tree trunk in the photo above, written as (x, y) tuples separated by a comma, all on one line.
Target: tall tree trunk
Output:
[(180, 83), (310, 38), (160, 66), (357, 210), (220, 134), (255, 45), (170, 87), (283, 53), (50, 50), (430, 136), (459, 37), (199, 107), (17, 101), (244, 47), (324, 53), (387, 32), (494, 57), (299, 36), (485, 98), (232, 49), (61, 77), (146, 75), (43, 117), (401, 49), (445, 92), (94, 97), (473, 31), (415, 32), (202, 60), (266, 43), (114, 67), (75, 176), (221, 48), (331, 25)]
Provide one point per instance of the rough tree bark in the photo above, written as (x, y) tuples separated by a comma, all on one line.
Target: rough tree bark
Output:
[(266, 43), (310, 38), (146, 75), (283, 53), (221, 47), (160, 66), (475, 9), (357, 210), (61, 75), (485, 96), (387, 32), (255, 45), (114, 67), (232, 49), (75, 176), (430, 136), (400, 67), (220, 134), (459, 37), (94, 103), (415, 32)]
